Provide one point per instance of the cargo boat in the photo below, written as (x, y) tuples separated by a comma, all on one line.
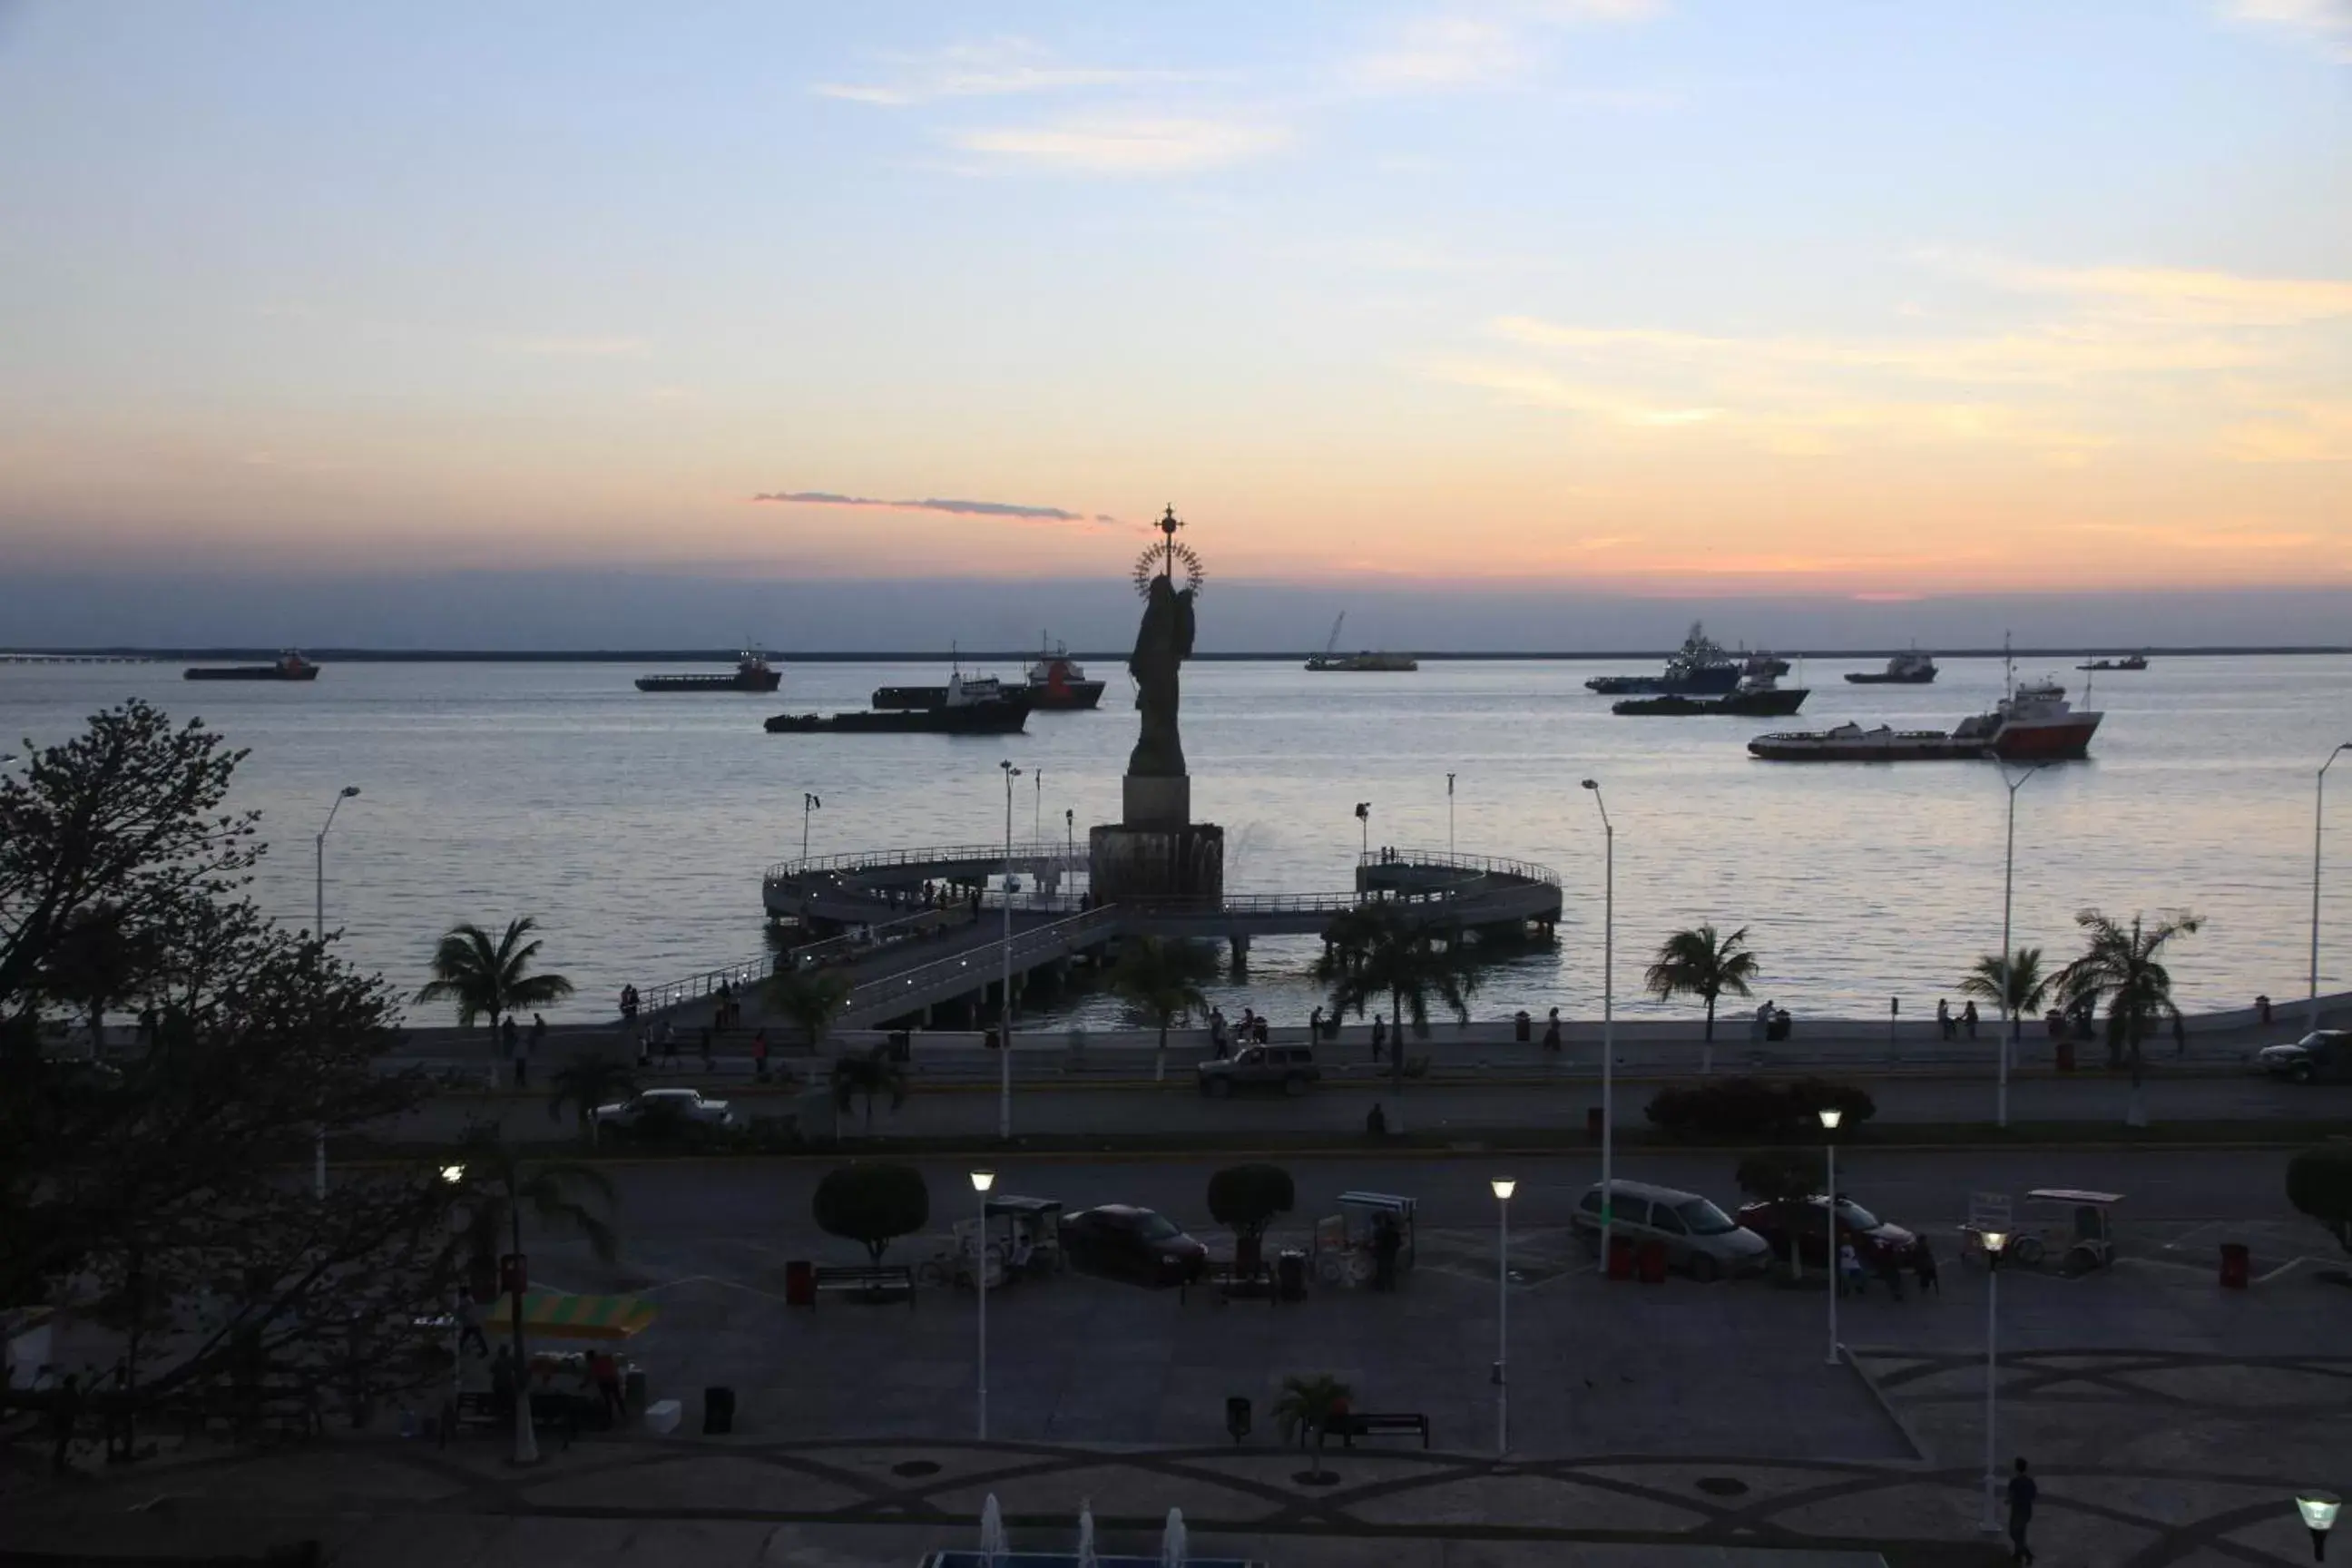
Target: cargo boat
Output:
[(967, 710), (1912, 669), (1331, 662), (1698, 669), (288, 666), (2034, 723), (2132, 661), (1058, 683), (975, 689), (1757, 697), (752, 673)]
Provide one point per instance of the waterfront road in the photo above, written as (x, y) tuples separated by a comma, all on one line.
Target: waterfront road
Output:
[(1471, 1109)]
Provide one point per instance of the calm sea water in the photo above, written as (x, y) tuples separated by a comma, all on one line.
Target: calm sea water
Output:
[(636, 826)]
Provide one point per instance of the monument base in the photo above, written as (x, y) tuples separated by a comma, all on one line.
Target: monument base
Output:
[(1149, 801), (1135, 865)]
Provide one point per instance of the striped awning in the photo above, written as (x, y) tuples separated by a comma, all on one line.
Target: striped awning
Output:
[(550, 1314)]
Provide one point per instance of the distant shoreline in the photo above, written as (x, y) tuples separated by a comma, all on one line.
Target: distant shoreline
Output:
[(970, 655)]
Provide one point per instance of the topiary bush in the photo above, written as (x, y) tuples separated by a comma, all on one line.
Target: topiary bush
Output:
[(1248, 1198), (872, 1206)]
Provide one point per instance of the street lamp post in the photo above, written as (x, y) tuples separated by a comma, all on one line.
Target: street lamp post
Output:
[(1608, 1016), (1364, 817), (1449, 815), (1004, 1014), (1831, 1116), (1070, 842), (1503, 1188), (1037, 805), (2008, 998), (2318, 1509), (981, 1182), (2318, 808), (808, 803), (319, 933), (1995, 1241)]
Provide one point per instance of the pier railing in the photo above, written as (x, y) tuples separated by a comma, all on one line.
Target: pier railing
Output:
[(1056, 849), (978, 965), (1480, 865)]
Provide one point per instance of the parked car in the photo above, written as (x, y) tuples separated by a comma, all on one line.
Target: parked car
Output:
[(1699, 1238), (1122, 1242), (678, 1108), (2322, 1054), (1874, 1239), (1287, 1067)]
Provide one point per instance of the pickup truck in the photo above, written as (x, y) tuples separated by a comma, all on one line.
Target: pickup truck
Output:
[(1290, 1068)]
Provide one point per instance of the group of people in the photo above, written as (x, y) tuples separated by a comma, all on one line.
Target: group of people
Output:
[(518, 1048), (1949, 1026), (1852, 1275), (1252, 1030), (1771, 1023)]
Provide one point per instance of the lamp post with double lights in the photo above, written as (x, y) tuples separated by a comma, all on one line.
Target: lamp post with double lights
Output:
[(1364, 816), (319, 933), (1503, 1188), (2318, 819), (1070, 843), (981, 1182), (1449, 815), (1831, 1116), (2007, 887), (1996, 1242), (1004, 1014), (1608, 1015), (808, 803)]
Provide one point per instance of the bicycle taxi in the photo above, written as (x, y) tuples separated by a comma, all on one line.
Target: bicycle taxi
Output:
[(2072, 1225)]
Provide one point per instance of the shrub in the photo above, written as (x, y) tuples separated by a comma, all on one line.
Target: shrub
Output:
[(1773, 1176), (1248, 1198), (872, 1204), (2320, 1183), (1733, 1110)]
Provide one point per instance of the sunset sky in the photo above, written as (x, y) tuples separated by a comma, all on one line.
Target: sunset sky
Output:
[(1647, 296)]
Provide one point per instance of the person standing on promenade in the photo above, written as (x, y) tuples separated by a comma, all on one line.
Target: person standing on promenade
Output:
[(1379, 1034), (538, 1033), (2021, 1493), (512, 1038), (669, 1043), (1968, 1018), (1217, 1033), (2179, 1035), (1943, 1017)]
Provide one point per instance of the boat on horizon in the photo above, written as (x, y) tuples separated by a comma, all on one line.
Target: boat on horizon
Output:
[(752, 673), (1912, 669), (1756, 697), (2129, 661), (1698, 669), (2033, 724), (1331, 660), (1058, 683), (980, 706), (288, 666), (973, 689)]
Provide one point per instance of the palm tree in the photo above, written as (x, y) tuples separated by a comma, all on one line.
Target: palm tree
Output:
[(585, 1082), (2028, 988), (480, 977), (868, 1073), (495, 1186), (1371, 951), (1308, 1401), (1160, 979), (2122, 967), (810, 999), (1704, 964)]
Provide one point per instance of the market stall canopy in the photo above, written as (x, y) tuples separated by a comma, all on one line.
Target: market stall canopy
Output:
[(550, 1314)]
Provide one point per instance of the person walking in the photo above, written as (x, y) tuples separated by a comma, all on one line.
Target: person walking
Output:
[(512, 1038), (469, 1323), (538, 1033), (1315, 1026), (760, 1056), (2179, 1035), (668, 1045), (1968, 1018), (1379, 1034), (2021, 1493), (605, 1373), (1943, 1017), (1551, 1033), (1217, 1033), (1922, 1268)]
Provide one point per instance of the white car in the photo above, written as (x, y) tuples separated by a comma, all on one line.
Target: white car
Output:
[(683, 1107)]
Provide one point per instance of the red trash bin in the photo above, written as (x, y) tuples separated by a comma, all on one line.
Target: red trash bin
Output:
[(1653, 1263), (1621, 1256), (2065, 1051), (800, 1283), (2237, 1265)]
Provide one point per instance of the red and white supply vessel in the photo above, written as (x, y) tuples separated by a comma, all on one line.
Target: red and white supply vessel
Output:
[(2034, 723)]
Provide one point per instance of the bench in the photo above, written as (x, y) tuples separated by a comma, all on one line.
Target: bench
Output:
[(1373, 1424), (866, 1278)]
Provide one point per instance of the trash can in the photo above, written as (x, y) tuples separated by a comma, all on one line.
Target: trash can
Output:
[(718, 1412), (1653, 1263), (1592, 1123), (632, 1389), (800, 1283), (1621, 1256), (1291, 1274), (2237, 1265), (1522, 1027), (1237, 1416), (2065, 1050)]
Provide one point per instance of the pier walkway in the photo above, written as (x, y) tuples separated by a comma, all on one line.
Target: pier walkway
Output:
[(908, 953)]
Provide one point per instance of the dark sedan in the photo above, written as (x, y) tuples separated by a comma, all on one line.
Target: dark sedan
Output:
[(2324, 1054), (1874, 1239), (1120, 1242)]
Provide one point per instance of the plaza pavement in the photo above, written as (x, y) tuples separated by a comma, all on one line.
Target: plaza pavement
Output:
[(2169, 1419)]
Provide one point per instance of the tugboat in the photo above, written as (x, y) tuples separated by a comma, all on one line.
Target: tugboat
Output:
[(290, 665), (1912, 669), (1330, 660), (1756, 697), (2034, 723), (1763, 662), (975, 688), (1058, 683), (2132, 661), (978, 707), (1698, 669), (751, 674)]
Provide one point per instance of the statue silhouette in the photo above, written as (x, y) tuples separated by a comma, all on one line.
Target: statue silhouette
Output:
[(1162, 643)]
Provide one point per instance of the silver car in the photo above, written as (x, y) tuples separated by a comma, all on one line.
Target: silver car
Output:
[(676, 1107), (1700, 1238)]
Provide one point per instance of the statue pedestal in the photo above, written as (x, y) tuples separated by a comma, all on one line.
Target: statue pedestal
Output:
[(1132, 864), (1149, 801)]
